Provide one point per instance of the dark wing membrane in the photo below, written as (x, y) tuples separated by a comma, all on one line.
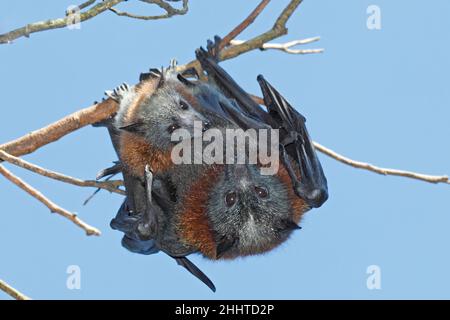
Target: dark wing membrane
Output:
[(229, 87), (109, 172), (135, 206), (194, 270), (296, 142), (146, 247)]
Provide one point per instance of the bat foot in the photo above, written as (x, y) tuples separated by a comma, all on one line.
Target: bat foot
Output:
[(213, 47), (138, 246), (119, 92), (111, 171), (153, 73)]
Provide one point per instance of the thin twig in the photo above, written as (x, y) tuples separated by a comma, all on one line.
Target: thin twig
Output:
[(81, 6), (170, 11), (279, 29), (382, 171), (112, 186), (56, 23), (286, 47), (54, 208), (244, 24), (14, 293)]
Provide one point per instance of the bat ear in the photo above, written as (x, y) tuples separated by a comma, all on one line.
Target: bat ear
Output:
[(162, 78), (145, 76), (223, 246), (136, 127), (289, 225), (185, 81), (153, 73)]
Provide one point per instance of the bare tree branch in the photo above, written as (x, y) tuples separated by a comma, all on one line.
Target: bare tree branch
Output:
[(53, 132), (243, 25), (112, 186), (82, 6), (279, 29), (54, 208), (383, 171), (14, 293), (286, 47), (56, 23), (170, 11), (103, 110)]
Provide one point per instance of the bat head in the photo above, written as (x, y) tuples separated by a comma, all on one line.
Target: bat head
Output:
[(167, 110), (250, 213)]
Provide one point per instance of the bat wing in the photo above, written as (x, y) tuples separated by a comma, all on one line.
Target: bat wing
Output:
[(230, 88), (137, 217), (295, 141), (146, 247), (194, 270), (296, 144), (110, 172)]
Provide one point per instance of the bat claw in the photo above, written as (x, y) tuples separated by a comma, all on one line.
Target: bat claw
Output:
[(119, 92), (213, 47)]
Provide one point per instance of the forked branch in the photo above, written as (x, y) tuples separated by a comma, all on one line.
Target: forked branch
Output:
[(54, 208)]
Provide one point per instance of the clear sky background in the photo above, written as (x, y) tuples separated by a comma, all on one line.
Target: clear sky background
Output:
[(378, 96)]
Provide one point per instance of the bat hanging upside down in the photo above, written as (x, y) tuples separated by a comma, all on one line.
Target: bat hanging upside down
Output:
[(222, 211)]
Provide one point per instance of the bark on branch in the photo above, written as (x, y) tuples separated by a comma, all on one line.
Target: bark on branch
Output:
[(54, 208), (97, 9), (14, 293), (56, 23), (170, 11), (112, 186), (53, 132), (379, 170)]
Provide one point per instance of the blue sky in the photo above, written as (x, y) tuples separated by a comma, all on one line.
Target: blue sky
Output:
[(375, 95)]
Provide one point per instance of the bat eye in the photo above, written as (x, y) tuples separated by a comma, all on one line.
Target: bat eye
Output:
[(261, 192), (184, 105), (173, 127), (230, 198)]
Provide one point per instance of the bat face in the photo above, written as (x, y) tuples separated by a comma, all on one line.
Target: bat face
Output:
[(164, 112), (250, 213), (149, 114)]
